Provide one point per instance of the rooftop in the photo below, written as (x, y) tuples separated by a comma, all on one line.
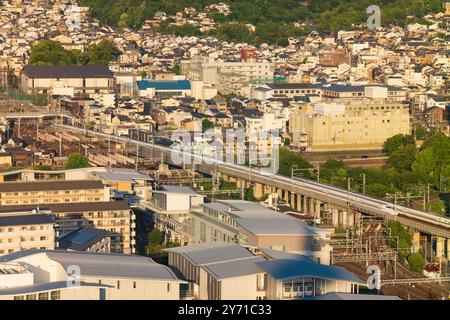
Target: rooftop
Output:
[(260, 220), (50, 185), (73, 206), (82, 239), (27, 219), (284, 269), (72, 71), (213, 252), (161, 85), (108, 265)]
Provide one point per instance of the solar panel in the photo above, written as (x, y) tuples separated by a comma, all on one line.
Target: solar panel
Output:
[(84, 237)]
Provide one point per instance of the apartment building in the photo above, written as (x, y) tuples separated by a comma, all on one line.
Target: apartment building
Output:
[(251, 224), (71, 275), (26, 229), (43, 192), (122, 183), (115, 217), (81, 80), (206, 69), (360, 124), (223, 271)]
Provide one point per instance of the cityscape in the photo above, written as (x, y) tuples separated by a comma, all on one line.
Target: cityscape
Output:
[(224, 150)]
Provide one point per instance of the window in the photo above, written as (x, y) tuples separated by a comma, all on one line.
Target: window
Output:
[(55, 295), (118, 284), (31, 297), (19, 298), (43, 296), (168, 287), (134, 284)]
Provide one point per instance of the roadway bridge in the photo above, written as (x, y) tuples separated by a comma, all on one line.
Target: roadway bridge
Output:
[(317, 199)]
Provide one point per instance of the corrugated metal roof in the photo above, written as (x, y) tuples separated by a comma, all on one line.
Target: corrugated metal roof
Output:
[(283, 269), (213, 252), (117, 266), (234, 268), (260, 220)]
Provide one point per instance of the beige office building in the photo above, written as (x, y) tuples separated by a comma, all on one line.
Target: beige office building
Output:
[(207, 69), (364, 124)]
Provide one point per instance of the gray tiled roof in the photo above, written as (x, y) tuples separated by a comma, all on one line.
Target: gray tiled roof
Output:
[(73, 71), (213, 252), (28, 219)]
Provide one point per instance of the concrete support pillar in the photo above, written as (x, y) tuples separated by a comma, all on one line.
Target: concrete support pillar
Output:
[(351, 218), (286, 197), (280, 194), (304, 206), (299, 203), (415, 242), (448, 250), (293, 200), (317, 212), (311, 206), (258, 190), (335, 213), (440, 247)]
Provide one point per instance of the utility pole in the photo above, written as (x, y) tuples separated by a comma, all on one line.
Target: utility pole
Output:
[(364, 182), (137, 157), (318, 172), (60, 145)]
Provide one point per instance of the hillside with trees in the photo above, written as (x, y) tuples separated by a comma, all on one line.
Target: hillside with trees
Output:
[(273, 19)]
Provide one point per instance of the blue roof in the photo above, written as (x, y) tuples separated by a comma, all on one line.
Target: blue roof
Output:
[(161, 85), (283, 269)]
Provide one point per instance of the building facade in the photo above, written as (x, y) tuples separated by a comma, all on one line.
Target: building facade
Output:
[(83, 80), (359, 125)]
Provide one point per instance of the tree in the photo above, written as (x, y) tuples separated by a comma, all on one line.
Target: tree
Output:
[(51, 53), (206, 124), (76, 161), (123, 21), (102, 53), (421, 132), (155, 237), (416, 262), (404, 238), (392, 144), (403, 158)]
